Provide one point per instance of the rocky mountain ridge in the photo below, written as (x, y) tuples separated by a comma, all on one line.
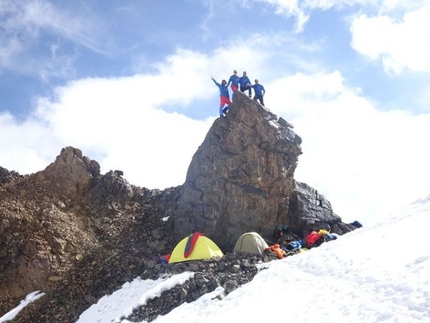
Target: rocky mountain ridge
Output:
[(78, 235)]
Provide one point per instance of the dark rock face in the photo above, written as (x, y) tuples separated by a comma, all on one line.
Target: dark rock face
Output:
[(241, 177), (77, 235), (310, 210)]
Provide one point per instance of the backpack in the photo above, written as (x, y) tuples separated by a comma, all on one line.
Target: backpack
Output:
[(313, 239)]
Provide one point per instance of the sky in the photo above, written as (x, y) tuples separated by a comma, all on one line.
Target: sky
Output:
[(129, 83), (379, 273)]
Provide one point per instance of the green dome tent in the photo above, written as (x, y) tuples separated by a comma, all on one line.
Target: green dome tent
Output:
[(250, 242), (195, 247)]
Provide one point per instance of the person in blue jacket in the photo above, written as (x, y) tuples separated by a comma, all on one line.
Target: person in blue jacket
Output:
[(245, 83), (259, 92), (224, 97), (234, 81)]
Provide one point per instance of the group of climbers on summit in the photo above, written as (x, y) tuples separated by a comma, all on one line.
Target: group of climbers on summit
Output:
[(238, 83)]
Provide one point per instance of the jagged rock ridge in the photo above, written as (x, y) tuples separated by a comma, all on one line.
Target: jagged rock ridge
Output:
[(73, 234), (78, 235)]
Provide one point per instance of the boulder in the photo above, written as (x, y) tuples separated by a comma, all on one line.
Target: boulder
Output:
[(241, 177), (310, 210)]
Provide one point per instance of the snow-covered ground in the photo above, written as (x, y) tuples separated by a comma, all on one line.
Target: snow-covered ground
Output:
[(374, 274)]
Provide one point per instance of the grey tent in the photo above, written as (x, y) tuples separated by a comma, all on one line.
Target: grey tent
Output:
[(250, 242)]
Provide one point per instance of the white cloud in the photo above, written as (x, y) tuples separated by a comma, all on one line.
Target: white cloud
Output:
[(399, 44), (28, 144), (401, 5), (207, 19), (290, 8), (117, 123), (120, 122), (302, 10), (353, 153), (26, 25)]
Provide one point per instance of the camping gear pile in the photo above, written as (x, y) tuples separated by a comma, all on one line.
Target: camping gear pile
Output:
[(197, 246)]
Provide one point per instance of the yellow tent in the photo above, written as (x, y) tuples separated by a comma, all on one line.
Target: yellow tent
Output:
[(250, 242), (195, 247)]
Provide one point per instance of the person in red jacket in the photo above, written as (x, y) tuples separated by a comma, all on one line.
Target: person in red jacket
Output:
[(224, 97)]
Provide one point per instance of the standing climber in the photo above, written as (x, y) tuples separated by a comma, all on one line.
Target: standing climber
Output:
[(223, 96), (234, 81), (245, 83), (259, 92)]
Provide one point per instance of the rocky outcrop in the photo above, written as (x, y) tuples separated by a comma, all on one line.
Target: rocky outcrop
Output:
[(310, 210), (242, 179), (71, 172)]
